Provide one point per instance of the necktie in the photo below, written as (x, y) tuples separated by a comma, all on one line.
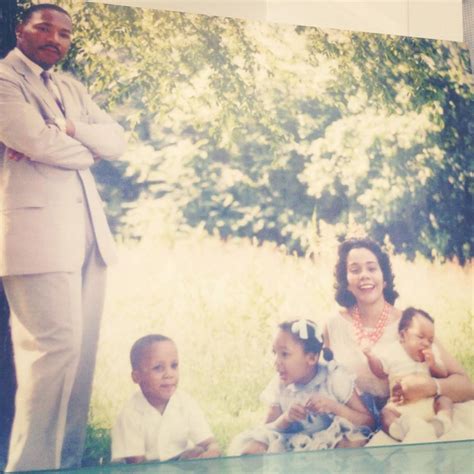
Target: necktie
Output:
[(46, 76)]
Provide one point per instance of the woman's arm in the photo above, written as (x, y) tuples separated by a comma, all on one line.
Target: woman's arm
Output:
[(375, 364), (457, 385), (354, 410)]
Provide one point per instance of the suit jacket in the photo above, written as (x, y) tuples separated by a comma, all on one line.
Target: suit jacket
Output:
[(42, 218)]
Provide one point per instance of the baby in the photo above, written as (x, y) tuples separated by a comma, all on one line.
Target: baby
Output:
[(413, 353), (160, 422)]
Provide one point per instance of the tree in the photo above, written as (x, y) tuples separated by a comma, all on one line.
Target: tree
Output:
[(424, 201), (8, 11), (280, 133)]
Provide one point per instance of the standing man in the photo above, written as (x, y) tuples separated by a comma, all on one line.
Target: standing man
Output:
[(55, 243)]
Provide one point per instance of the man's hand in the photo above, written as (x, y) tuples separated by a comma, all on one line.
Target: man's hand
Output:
[(65, 125), (15, 155), (70, 128)]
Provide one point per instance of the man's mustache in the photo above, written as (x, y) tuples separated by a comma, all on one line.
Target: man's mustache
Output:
[(51, 46)]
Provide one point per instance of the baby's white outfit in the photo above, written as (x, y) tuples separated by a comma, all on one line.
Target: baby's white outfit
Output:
[(396, 363)]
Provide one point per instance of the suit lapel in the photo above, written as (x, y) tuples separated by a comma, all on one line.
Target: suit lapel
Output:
[(35, 83)]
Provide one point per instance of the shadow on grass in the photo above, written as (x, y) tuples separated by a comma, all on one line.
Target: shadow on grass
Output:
[(97, 447)]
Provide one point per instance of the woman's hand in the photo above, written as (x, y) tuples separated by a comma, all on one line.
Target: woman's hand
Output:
[(413, 387)]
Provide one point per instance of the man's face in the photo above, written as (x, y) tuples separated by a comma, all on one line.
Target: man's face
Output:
[(45, 38)]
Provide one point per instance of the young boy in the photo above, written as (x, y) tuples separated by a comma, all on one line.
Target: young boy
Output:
[(160, 422)]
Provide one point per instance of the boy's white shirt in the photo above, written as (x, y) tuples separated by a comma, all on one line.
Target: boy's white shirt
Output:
[(141, 430)]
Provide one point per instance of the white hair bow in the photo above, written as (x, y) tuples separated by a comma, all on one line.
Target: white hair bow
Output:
[(300, 327)]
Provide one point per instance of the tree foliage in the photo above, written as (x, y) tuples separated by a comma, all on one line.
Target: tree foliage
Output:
[(281, 133)]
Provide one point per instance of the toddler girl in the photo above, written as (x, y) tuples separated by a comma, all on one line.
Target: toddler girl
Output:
[(306, 396), (413, 353)]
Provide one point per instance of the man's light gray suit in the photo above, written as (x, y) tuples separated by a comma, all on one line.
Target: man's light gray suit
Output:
[(55, 245)]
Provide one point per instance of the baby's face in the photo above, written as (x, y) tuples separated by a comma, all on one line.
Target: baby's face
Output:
[(418, 337), (158, 372)]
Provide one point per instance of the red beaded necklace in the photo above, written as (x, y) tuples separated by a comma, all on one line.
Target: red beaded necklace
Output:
[(363, 336)]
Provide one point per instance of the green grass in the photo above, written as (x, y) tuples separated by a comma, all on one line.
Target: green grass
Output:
[(221, 302)]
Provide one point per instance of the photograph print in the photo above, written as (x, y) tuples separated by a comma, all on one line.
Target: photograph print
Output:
[(292, 219)]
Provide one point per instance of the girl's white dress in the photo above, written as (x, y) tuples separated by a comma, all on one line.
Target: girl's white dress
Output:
[(331, 381)]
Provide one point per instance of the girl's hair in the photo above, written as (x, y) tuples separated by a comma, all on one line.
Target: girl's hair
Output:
[(141, 345), (306, 333), (343, 296), (409, 314)]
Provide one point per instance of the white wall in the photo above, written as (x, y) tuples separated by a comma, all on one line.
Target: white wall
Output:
[(438, 19)]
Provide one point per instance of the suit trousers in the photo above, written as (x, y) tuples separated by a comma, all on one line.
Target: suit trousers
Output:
[(55, 330)]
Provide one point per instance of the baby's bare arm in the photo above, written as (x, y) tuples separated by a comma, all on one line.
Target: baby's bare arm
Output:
[(436, 369)]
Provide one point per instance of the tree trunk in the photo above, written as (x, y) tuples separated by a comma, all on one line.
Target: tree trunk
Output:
[(8, 11)]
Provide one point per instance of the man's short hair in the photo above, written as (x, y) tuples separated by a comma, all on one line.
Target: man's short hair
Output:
[(26, 15)]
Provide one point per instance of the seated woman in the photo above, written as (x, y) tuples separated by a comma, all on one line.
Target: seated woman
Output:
[(369, 322)]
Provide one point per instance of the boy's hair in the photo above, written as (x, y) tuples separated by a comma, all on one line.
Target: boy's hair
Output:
[(306, 333), (26, 15), (409, 314), (343, 296), (141, 345)]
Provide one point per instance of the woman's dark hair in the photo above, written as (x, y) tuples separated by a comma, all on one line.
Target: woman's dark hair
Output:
[(409, 314), (343, 296), (311, 344), (141, 345)]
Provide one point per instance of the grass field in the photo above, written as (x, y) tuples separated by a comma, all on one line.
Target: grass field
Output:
[(220, 302)]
